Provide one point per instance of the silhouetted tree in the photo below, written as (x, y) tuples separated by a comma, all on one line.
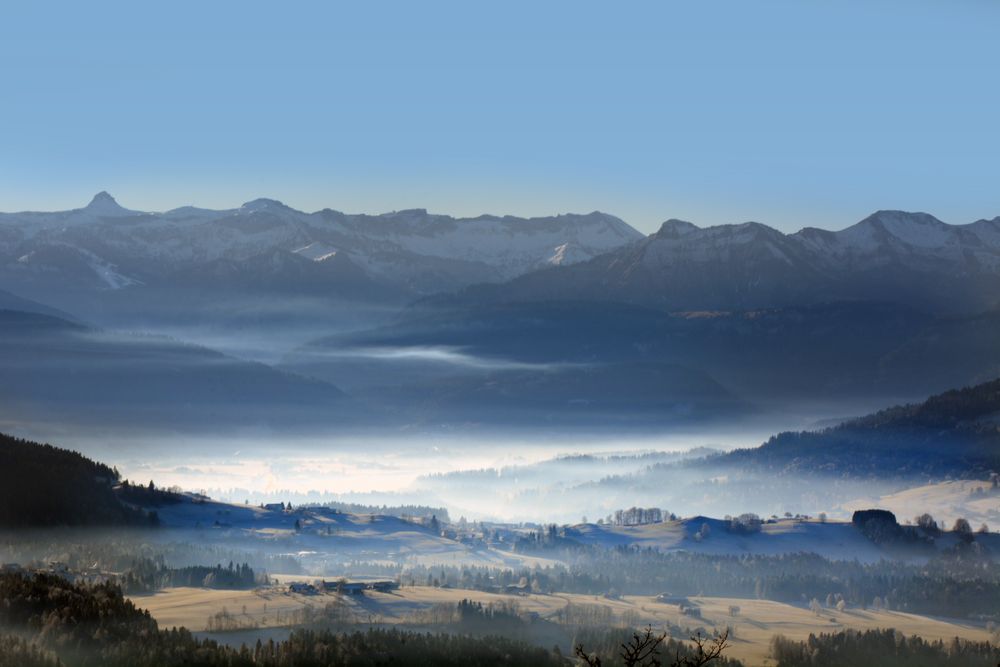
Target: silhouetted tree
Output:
[(963, 530), (643, 650)]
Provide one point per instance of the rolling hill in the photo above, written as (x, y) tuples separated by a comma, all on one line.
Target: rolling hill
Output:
[(956, 432), (52, 370), (42, 485), (874, 352)]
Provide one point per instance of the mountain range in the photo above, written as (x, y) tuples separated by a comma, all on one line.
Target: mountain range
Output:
[(890, 256), (445, 320), (265, 247), (106, 246)]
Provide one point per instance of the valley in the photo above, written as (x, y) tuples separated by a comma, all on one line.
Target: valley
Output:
[(444, 334), (270, 423)]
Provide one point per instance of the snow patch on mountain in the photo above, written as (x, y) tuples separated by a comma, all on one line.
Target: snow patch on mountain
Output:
[(417, 251), (316, 251), (567, 253)]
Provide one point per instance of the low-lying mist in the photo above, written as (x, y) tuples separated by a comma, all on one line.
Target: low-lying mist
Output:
[(509, 479)]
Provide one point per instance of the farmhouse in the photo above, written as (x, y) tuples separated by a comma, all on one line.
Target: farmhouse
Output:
[(302, 588), (359, 587), (383, 586)]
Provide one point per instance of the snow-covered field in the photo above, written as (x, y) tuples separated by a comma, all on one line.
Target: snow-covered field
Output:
[(835, 540), (945, 501), (325, 540)]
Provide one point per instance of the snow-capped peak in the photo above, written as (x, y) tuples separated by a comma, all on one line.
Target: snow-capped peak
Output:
[(913, 229)]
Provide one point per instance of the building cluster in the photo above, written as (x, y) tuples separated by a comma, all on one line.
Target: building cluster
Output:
[(342, 587)]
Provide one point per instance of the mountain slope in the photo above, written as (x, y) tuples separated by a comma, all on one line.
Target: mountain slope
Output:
[(264, 277), (593, 396), (956, 432), (41, 485), (106, 246), (10, 301), (892, 256), (837, 350), (59, 371)]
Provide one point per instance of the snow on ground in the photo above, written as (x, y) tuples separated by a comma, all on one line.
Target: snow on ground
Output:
[(316, 251), (945, 501), (834, 540), (326, 539)]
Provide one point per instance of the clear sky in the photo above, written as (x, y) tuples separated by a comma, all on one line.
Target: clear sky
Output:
[(792, 113)]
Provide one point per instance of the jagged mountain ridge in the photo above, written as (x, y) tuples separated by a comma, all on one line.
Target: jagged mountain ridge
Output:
[(106, 246), (892, 256)]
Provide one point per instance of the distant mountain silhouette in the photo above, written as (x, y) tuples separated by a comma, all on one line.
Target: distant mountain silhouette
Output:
[(53, 369), (105, 246), (891, 256), (956, 432), (823, 352)]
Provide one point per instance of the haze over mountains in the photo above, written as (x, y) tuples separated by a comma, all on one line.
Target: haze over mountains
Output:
[(71, 376), (265, 244), (909, 258), (510, 371), (566, 320)]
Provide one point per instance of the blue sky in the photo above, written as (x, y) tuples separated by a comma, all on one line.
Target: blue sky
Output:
[(791, 113)]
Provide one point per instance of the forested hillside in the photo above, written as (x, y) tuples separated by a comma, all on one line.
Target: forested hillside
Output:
[(91, 626), (954, 432), (42, 485)]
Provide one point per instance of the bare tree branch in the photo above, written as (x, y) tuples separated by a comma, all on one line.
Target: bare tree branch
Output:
[(589, 660), (643, 650), (704, 651)]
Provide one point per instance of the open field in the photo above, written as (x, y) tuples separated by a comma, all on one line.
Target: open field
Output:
[(945, 501), (191, 607), (757, 622)]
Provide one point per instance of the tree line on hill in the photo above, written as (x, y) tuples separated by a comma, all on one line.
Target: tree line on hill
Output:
[(125, 550), (42, 486), (19, 652), (950, 585), (53, 623), (885, 648), (950, 433), (147, 576), (96, 626)]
